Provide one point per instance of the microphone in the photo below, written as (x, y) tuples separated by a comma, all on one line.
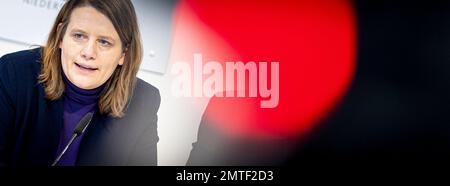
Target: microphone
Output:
[(79, 129)]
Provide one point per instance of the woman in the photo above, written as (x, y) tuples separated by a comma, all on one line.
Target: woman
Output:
[(88, 65)]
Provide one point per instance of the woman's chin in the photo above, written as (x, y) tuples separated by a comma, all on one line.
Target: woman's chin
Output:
[(84, 86), (84, 83)]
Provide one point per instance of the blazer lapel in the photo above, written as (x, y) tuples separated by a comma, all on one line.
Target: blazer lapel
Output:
[(89, 150), (56, 111), (46, 133)]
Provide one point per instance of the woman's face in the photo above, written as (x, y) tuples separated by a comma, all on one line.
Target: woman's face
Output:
[(90, 49)]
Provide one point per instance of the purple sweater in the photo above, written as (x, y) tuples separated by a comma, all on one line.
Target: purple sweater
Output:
[(77, 103)]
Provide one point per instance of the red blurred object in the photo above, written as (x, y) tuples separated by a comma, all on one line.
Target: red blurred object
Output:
[(314, 43)]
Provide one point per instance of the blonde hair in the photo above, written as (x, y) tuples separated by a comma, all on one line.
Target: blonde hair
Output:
[(120, 86)]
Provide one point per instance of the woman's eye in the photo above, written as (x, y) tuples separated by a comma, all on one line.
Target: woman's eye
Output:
[(78, 36), (104, 42)]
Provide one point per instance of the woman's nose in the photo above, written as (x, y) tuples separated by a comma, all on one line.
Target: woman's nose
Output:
[(89, 51)]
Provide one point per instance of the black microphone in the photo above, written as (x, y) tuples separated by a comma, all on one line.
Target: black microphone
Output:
[(81, 127)]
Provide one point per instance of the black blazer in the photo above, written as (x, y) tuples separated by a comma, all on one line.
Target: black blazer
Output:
[(30, 125)]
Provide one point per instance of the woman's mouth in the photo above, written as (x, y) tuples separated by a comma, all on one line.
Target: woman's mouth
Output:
[(85, 67)]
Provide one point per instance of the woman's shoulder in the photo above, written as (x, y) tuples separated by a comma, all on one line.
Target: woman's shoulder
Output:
[(21, 61), (19, 71), (147, 94), (143, 86)]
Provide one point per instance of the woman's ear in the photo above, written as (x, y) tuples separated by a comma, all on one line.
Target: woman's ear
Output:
[(122, 59)]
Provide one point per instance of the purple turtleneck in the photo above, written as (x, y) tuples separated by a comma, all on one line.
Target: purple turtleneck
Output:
[(77, 103)]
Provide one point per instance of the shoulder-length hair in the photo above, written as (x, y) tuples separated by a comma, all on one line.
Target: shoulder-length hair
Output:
[(120, 86)]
